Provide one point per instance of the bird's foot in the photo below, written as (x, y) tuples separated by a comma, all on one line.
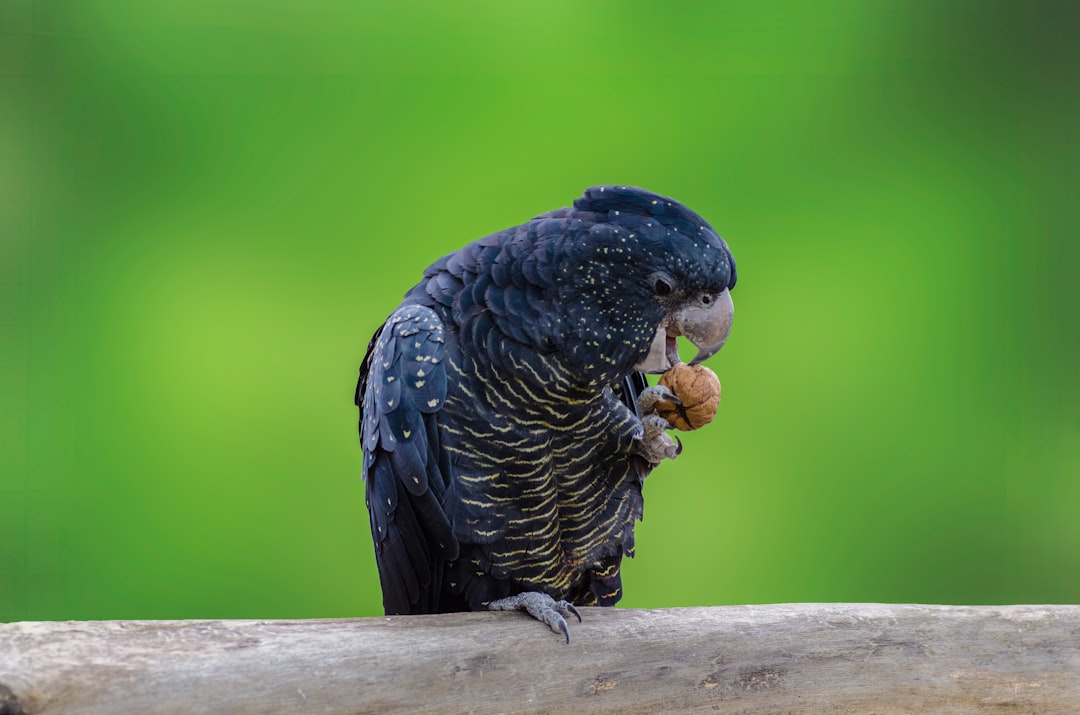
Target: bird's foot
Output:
[(656, 444), (542, 607), (651, 396)]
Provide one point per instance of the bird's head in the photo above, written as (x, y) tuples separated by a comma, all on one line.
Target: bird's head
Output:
[(643, 270)]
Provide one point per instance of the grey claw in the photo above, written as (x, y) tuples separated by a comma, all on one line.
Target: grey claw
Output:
[(570, 607), (565, 629), (670, 396)]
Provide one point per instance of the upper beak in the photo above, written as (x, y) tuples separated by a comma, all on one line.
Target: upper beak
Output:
[(707, 327)]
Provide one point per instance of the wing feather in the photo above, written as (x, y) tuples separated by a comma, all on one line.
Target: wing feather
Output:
[(628, 392), (401, 389)]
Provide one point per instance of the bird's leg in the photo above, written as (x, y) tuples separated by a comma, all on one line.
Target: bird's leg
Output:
[(656, 444), (540, 606)]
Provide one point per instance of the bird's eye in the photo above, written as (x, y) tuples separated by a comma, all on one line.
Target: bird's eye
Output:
[(662, 287), (706, 299)]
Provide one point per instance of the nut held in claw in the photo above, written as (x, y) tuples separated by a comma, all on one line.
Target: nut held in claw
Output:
[(699, 389)]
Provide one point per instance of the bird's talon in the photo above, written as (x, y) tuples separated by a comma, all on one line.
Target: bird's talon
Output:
[(570, 607), (564, 628), (651, 396), (671, 397), (540, 606), (656, 444)]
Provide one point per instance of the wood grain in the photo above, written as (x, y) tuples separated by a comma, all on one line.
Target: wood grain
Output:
[(796, 658)]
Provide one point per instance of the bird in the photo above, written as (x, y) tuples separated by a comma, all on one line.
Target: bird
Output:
[(506, 423)]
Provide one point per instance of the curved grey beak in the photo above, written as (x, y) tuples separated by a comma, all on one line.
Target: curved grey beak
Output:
[(707, 327)]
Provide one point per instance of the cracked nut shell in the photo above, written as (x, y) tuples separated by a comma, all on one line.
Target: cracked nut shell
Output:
[(699, 389)]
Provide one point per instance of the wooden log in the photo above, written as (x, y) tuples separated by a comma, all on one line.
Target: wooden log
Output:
[(798, 658)]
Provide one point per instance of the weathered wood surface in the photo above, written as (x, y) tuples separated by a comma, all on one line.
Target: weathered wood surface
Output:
[(801, 658)]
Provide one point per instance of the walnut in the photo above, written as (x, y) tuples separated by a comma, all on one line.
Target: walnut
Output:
[(699, 389)]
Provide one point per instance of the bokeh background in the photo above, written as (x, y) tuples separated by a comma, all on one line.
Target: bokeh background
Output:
[(207, 207)]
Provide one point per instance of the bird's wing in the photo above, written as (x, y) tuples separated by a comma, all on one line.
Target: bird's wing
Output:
[(628, 392), (630, 389), (402, 387)]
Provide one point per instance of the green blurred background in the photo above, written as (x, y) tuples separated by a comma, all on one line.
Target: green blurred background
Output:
[(207, 207)]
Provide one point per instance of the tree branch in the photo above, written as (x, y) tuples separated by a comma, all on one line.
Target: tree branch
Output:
[(751, 659)]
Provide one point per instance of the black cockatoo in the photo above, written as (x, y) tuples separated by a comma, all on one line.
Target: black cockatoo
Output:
[(505, 420)]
